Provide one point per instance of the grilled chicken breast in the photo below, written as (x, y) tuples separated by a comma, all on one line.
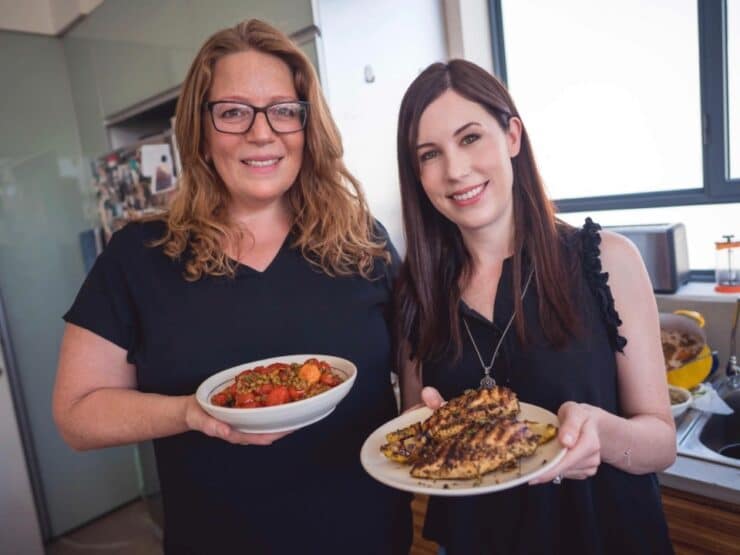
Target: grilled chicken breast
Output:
[(475, 405), (479, 449), (471, 435)]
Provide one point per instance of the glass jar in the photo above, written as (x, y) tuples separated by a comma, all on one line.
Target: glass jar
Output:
[(727, 265)]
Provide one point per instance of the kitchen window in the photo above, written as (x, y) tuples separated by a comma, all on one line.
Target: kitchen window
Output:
[(733, 84), (630, 105)]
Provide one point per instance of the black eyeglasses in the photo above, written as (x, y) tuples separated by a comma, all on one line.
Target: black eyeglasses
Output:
[(238, 117)]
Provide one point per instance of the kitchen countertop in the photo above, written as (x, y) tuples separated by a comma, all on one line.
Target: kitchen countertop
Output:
[(705, 478), (699, 291)]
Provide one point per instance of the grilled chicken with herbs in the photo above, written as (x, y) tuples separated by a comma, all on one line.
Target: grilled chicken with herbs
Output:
[(467, 437), (477, 450)]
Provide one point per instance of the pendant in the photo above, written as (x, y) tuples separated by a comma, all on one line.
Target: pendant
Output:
[(487, 382)]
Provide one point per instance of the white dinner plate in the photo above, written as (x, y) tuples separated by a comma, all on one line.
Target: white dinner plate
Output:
[(396, 475), (278, 418)]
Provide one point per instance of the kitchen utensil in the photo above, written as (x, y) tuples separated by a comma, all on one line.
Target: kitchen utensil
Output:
[(727, 256), (680, 400), (694, 371), (733, 370)]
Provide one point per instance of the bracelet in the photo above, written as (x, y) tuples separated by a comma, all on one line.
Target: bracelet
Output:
[(628, 451)]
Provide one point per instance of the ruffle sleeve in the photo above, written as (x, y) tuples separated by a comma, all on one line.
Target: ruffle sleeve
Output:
[(598, 282)]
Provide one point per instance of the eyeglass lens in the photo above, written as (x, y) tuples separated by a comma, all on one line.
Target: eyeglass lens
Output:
[(234, 117)]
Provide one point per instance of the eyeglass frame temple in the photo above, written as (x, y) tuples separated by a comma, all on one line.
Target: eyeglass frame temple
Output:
[(209, 104)]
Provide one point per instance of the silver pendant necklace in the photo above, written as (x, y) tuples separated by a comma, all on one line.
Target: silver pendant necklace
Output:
[(487, 382)]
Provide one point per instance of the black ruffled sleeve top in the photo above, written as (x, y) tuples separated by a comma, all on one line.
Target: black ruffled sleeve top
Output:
[(612, 512), (307, 493)]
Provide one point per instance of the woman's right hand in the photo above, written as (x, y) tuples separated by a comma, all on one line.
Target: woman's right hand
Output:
[(199, 420), (430, 398)]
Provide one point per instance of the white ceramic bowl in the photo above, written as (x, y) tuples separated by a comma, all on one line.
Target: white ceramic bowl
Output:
[(279, 418), (681, 393)]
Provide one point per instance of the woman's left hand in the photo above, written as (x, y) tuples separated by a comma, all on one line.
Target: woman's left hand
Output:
[(579, 433)]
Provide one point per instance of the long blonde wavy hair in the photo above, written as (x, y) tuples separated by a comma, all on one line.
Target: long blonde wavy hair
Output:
[(331, 222)]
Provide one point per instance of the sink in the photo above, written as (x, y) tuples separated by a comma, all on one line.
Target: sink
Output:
[(712, 437), (721, 432)]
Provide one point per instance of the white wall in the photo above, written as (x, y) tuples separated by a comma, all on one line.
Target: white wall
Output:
[(394, 41), (47, 17)]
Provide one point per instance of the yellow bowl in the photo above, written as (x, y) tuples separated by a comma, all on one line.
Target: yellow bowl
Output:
[(693, 372)]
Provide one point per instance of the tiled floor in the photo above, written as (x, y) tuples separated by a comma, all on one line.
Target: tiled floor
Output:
[(129, 530)]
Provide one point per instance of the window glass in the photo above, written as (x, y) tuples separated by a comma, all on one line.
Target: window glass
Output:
[(612, 106), (733, 84)]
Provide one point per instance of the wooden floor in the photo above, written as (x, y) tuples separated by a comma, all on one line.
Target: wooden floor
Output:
[(420, 545), (697, 527), (129, 530)]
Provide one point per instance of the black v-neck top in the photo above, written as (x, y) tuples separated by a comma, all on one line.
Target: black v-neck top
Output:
[(611, 513), (306, 493)]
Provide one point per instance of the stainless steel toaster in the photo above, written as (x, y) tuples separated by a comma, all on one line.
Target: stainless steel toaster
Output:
[(664, 251)]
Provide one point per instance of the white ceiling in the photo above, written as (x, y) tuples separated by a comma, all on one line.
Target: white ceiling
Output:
[(45, 17)]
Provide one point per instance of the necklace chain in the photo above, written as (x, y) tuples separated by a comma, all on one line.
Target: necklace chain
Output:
[(487, 381)]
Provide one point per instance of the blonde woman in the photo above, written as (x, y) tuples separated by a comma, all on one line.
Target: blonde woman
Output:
[(268, 249)]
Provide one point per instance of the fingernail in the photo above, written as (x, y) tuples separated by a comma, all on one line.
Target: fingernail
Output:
[(568, 439)]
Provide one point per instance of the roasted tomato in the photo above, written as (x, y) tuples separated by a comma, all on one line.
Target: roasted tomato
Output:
[(264, 389), (221, 399), (277, 396), (296, 394), (310, 372), (277, 383), (276, 366), (245, 400), (327, 378)]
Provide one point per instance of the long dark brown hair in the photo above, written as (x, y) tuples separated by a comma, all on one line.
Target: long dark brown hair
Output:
[(437, 262)]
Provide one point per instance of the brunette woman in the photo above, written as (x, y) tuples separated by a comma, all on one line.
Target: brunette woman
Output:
[(495, 287)]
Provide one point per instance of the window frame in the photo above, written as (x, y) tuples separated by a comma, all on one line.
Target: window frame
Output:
[(717, 186)]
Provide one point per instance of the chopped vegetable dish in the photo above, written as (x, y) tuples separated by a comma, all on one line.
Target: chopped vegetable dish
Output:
[(277, 384)]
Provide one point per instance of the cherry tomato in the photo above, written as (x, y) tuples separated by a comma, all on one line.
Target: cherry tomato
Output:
[(245, 400), (309, 373), (266, 388), (275, 366), (277, 396), (220, 399), (327, 378), (296, 394)]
